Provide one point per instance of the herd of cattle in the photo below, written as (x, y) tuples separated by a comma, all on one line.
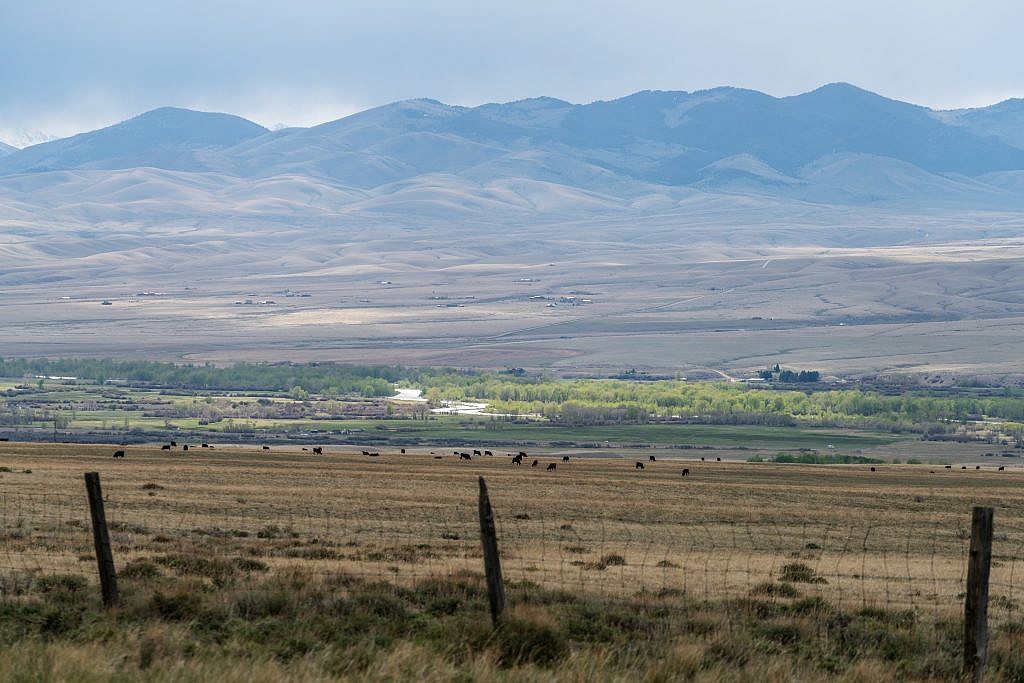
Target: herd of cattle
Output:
[(463, 455)]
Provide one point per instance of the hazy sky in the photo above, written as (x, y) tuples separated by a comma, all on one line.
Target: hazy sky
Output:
[(73, 65)]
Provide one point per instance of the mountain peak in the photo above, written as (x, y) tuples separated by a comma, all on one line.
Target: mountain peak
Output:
[(221, 129), (168, 137), (841, 91)]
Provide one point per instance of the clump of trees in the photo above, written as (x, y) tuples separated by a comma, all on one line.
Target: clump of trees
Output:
[(816, 458), (777, 374)]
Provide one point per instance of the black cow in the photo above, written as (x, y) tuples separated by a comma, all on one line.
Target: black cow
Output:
[(373, 455), (702, 458), (165, 447), (118, 454), (718, 459), (977, 467), (206, 445), (185, 447), (551, 466), (1001, 468), (266, 448), (517, 460), (963, 467), (366, 452), (174, 443), (522, 454), (403, 451), (304, 448), (686, 472), (465, 456), (872, 469), (437, 457), (639, 465), (318, 450), (535, 463), (476, 452), (949, 467), (651, 458), (488, 453), (565, 458)]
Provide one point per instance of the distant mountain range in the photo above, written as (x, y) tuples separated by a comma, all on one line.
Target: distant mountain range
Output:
[(651, 152)]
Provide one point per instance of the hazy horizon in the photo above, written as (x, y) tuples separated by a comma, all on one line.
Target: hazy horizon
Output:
[(73, 69), (314, 123)]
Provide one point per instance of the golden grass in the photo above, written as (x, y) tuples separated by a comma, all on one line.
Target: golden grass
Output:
[(893, 538)]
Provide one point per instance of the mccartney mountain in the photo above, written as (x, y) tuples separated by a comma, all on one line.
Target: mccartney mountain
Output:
[(648, 153)]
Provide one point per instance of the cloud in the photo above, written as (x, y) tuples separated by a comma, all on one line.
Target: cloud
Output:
[(66, 67)]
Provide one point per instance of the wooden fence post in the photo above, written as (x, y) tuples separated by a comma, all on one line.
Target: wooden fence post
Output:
[(492, 565), (101, 539), (976, 601)]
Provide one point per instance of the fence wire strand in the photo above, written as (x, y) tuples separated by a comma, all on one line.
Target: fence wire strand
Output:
[(243, 544)]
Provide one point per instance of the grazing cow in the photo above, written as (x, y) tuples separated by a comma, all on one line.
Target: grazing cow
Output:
[(686, 472), (174, 443), (266, 448), (651, 458), (963, 467), (366, 452), (949, 467), (517, 460), (118, 454), (535, 463), (488, 453), (639, 465), (718, 459), (551, 466), (1001, 468), (318, 450), (455, 452), (931, 471), (465, 456), (403, 451), (476, 452), (565, 458), (206, 445), (522, 454), (166, 447), (872, 469)]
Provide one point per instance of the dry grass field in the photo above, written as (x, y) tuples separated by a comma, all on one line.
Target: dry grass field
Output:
[(239, 526), (895, 536)]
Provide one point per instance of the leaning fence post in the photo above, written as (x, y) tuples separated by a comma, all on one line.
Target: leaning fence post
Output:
[(101, 538), (976, 601), (492, 565)]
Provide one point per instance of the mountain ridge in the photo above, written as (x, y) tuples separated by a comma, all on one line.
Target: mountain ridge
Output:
[(415, 158)]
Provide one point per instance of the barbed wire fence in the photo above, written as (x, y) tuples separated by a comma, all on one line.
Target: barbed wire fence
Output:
[(240, 545)]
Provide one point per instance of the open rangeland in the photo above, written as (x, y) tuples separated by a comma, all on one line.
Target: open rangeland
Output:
[(368, 566)]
